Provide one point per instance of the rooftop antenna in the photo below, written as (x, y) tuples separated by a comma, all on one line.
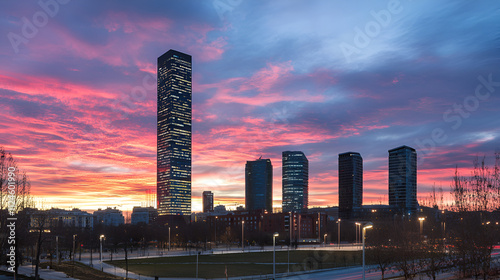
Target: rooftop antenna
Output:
[(260, 157)]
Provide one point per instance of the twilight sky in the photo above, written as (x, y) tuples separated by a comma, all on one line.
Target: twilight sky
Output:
[(78, 91)]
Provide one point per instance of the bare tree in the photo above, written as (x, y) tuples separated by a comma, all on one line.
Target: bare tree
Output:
[(380, 250), (15, 196), (433, 259), (407, 245), (475, 197), (40, 223)]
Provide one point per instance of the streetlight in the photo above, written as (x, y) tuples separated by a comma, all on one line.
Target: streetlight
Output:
[(197, 254), (100, 254), (74, 236), (290, 225), (169, 239), (73, 266), (274, 254), (338, 223), (57, 249), (325, 238), (319, 228), (358, 231), (365, 227), (421, 219), (243, 235), (215, 233)]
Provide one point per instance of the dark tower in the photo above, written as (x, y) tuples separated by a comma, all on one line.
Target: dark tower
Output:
[(208, 201), (174, 134), (259, 185), (350, 183), (403, 179)]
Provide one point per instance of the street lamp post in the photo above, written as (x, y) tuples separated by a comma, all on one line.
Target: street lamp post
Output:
[(57, 249), (290, 225), (421, 219), (325, 239), (169, 239), (74, 237), (319, 228), (444, 231), (365, 227), (243, 235), (100, 254), (444, 228), (274, 254), (215, 233), (197, 254), (338, 223), (358, 232)]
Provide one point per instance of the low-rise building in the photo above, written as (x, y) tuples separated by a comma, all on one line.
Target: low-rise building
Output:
[(108, 217), (146, 215)]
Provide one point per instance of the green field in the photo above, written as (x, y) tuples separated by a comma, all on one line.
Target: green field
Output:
[(240, 264)]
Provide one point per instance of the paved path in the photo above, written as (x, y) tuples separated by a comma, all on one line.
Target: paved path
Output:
[(47, 274)]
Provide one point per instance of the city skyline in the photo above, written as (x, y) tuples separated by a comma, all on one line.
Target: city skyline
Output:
[(78, 93)]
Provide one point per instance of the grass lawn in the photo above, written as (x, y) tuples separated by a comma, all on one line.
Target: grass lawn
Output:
[(82, 272), (240, 264)]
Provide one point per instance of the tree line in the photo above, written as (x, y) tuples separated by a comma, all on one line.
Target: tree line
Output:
[(459, 239)]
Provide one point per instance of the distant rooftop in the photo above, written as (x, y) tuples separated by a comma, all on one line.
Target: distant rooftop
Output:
[(402, 147), (349, 153)]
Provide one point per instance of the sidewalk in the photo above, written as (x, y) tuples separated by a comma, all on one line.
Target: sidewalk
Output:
[(47, 274)]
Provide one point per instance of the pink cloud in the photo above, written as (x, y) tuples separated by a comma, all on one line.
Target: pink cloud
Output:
[(268, 84)]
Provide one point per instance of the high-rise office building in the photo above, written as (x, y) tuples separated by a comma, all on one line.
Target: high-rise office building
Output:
[(403, 178), (208, 201), (295, 181), (259, 185), (350, 183), (174, 134)]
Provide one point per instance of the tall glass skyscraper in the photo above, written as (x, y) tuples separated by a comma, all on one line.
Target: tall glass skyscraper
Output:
[(174, 134), (403, 178), (259, 185), (295, 181), (350, 183)]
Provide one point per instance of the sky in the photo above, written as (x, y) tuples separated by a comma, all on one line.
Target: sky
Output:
[(78, 92)]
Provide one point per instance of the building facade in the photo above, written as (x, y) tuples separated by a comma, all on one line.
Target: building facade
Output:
[(403, 179), (108, 217), (208, 201), (350, 183), (295, 181), (55, 217), (146, 215), (259, 185), (174, 134)]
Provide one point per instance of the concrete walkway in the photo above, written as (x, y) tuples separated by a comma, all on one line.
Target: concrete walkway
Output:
[(48, 274)]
